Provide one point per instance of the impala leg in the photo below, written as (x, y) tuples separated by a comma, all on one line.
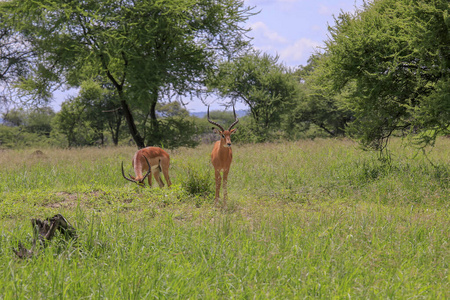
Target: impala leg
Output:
[(225, 191), (157, 175), (149, 179), (166, 176), (218, 182)]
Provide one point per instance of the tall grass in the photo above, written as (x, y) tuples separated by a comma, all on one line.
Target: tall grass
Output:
[(310, 219)]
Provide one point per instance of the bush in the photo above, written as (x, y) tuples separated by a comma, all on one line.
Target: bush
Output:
[(173, 132), (198, 181), (16, 137)]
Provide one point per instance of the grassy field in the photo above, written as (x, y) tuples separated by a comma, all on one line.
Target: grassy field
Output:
[(310, 219)]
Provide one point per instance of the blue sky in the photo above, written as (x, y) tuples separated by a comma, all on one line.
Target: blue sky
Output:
[(292, 29)]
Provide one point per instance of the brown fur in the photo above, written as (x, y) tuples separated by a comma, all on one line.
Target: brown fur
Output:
[(159, 161), (221, 158)]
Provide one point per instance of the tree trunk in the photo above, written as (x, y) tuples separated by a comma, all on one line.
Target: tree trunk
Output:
[(116, 133), (114, 124), (126, 109), (153, 119), (131, 125), (154, 134)]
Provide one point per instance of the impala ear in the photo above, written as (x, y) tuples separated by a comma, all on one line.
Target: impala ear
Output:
[(215, 130), (233, 131)]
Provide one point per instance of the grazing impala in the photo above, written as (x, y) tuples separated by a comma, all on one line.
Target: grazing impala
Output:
[(150, 160), (221, 156)]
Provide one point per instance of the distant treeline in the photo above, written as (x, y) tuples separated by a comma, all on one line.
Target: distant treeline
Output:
[(383, 71)]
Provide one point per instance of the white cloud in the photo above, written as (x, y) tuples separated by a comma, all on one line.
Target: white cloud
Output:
[(291, 52), (259, 28), (326, 10), (267, 2), (282, 5), (298, 52), (316, 28), (288, 1), (335, 8)]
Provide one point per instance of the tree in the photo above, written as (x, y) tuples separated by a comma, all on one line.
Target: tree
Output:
[(101, 108), (69, 122), (14, 117), (317, 103), (397, 55), (144, 48), (178, 132), (15, 56), (20, 62), (25, 127), (109, 108), (222, 117), (37, 120), (90, 114), (256, 79), (179, 128), (172, 109)]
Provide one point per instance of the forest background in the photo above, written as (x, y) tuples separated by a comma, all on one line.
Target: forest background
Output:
[(384, 71)]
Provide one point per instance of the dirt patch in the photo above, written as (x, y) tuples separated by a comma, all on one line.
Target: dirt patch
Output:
[(71, 200), (63, 204), (38, 154)]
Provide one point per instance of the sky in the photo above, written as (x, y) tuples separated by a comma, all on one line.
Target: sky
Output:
[(291, 29)]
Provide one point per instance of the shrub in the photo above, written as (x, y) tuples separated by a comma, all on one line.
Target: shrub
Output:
[(198, 181)]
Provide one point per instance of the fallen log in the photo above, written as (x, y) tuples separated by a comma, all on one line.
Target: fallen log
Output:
[(44, 231)]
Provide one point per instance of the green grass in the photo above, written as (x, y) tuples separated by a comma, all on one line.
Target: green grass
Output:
[(310, 219)]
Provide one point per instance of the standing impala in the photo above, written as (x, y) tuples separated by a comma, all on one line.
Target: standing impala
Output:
[(150, 160), (221, 156)]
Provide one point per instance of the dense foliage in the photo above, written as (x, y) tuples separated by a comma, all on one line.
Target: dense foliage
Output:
[(384, 71), (265, 86), (317, 105), (143, 48), (16, 59), (83, 121), (395, 57)]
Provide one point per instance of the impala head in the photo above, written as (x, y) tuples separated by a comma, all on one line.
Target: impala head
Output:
[(139, 181), (225, 135)]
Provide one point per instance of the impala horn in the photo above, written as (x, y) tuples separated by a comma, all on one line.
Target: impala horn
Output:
[(133, 180), (214, 123), (236, 120)]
